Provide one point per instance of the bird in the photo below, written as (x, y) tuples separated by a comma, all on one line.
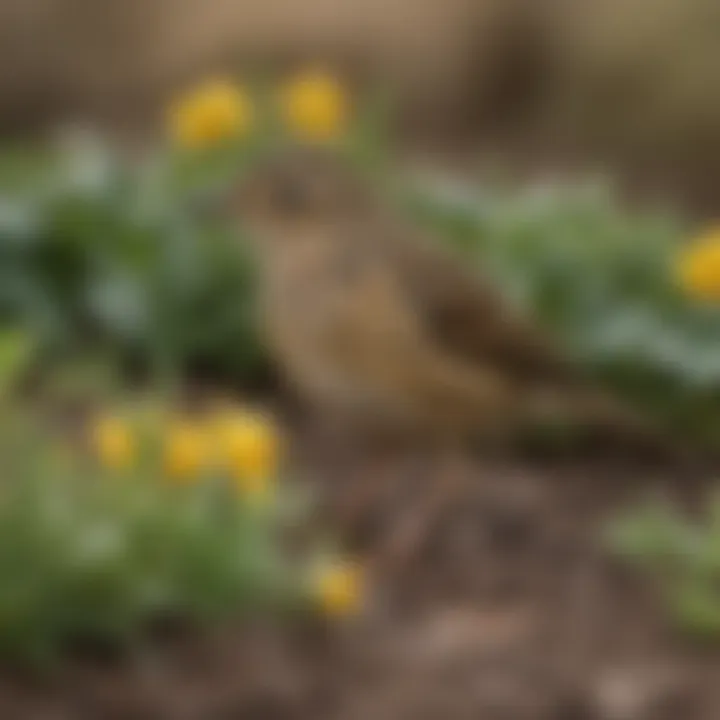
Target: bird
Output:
[(365, 314)]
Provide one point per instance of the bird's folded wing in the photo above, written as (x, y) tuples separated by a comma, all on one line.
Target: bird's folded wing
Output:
[(468, 317), (382, 341)]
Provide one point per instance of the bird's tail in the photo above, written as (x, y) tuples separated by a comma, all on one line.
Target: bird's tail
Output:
[(596, 421)]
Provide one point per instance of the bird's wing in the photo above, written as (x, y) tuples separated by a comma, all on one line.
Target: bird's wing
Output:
[(369, 331), (469, 317), (481, 354)]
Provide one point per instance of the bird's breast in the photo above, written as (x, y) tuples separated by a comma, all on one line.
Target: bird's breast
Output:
[(321, 323)]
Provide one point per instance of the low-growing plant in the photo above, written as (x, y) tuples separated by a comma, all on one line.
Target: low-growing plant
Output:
[(683, 555), (158, 515), (96, 251)]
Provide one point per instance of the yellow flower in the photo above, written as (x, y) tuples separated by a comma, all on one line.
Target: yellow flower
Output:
[(315, 106), (253, 486), (699, 267), (185, 451), (249, 447), (114, 443), (339, 589), (214, 112)]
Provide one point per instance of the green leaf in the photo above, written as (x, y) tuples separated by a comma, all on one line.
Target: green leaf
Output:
[(697, 609), (16, 353)]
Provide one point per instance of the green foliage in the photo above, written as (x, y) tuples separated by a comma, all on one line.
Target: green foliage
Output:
[(15, 354), (601, 280), (685, 558), (96, 249), (92, 555)]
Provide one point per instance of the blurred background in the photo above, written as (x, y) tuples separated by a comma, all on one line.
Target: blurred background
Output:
[(129, 348), (628, 86)]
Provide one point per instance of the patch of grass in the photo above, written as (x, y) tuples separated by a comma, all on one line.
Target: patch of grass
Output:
[(683, 556)]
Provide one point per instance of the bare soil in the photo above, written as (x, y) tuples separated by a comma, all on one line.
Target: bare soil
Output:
[(512, 610)]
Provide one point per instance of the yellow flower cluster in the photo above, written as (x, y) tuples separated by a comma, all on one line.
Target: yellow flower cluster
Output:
[(185, 451), (313, 106), (114, 443), (699, 267), (215, 112), (249, 447), (339, 589), (243, 445)]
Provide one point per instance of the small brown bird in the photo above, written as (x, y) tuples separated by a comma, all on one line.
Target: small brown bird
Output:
[(365, 316)]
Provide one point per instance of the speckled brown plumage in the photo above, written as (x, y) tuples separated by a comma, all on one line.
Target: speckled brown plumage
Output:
[(364, 314)]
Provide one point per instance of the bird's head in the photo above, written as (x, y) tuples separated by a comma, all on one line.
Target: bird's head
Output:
[(297, 192)]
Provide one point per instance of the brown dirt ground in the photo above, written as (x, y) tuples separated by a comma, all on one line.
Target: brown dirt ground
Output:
[(512, 611)]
